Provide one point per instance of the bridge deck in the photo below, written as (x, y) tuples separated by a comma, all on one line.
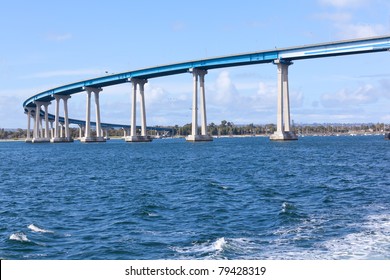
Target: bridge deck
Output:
[(347, 47)]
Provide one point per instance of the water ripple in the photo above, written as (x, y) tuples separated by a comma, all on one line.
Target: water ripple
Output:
[(247, 198)]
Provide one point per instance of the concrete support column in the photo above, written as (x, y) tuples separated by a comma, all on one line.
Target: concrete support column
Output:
[(61, 130), (58, 134), (133, 129), (34, 123), (46, 105), (66, 116), (201, 74), (97, 109), (28, 136), (57, 116), (40, 129), (198, 75), (279, 122), (80, 131), (87, 134), (286, 100), (194, 125), (51, 129), (37, 119), (143, 112), (283, 128)]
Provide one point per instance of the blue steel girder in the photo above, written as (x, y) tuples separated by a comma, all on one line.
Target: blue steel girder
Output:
[(347, 47), (51, 117)]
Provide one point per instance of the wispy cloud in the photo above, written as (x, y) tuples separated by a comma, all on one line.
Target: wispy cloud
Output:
[(337, 17), (363, 95), (344, 3), (60, 73), (341, 15), (359, 30), (59, 37)]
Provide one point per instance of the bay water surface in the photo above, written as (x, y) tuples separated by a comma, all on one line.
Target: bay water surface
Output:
[(233, 198)]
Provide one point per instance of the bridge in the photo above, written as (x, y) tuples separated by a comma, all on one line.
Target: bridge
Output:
[(282, 58)]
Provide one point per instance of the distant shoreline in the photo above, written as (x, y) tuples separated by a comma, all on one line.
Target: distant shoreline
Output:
[(12, 140), (234, 136)]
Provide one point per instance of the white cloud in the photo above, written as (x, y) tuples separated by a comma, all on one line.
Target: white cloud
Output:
[(265, 97), (343, 21), (225, 92), (166, 107), (245, 101), (337, 17), (359, 30), (11, 110), (363, 95), (344, 3)]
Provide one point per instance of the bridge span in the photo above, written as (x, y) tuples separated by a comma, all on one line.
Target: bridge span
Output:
[(282, 58)]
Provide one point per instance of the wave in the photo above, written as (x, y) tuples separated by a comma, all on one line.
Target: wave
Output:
[(34, 228), (19, 236), (222, 248), (204, 249), (372, 242), (219, 244)]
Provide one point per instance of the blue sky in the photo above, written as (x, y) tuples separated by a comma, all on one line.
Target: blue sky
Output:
[(45, 44)]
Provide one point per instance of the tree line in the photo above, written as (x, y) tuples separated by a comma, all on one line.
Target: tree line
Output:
[(228, 128)]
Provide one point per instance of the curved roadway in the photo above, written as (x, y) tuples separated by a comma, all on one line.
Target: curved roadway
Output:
[(348, 47)]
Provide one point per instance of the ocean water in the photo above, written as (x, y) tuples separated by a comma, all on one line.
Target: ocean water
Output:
[(233, 198)]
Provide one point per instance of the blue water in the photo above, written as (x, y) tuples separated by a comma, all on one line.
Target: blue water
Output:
[(233, 198)]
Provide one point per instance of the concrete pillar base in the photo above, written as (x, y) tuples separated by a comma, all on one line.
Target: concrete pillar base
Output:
[(138, 139), (28, 140), (61, 140), (40, 140), (92, 139), (283, 136), (199, 138)]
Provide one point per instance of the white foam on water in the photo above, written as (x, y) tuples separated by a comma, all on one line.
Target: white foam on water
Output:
[(151, 214), (372, 242), (242, 248), (19, 236), (219, 244), (212, 249), (34, 228), (284, 207)]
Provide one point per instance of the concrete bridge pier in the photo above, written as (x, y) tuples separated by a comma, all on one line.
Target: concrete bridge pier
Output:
[(87, 134), (80, 132), (283, 126), (198, 74), (29, 116), (58, 137), (133, 129), (105, 131), (38, 136), (124, 133), (61, 130), (51, 129)]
